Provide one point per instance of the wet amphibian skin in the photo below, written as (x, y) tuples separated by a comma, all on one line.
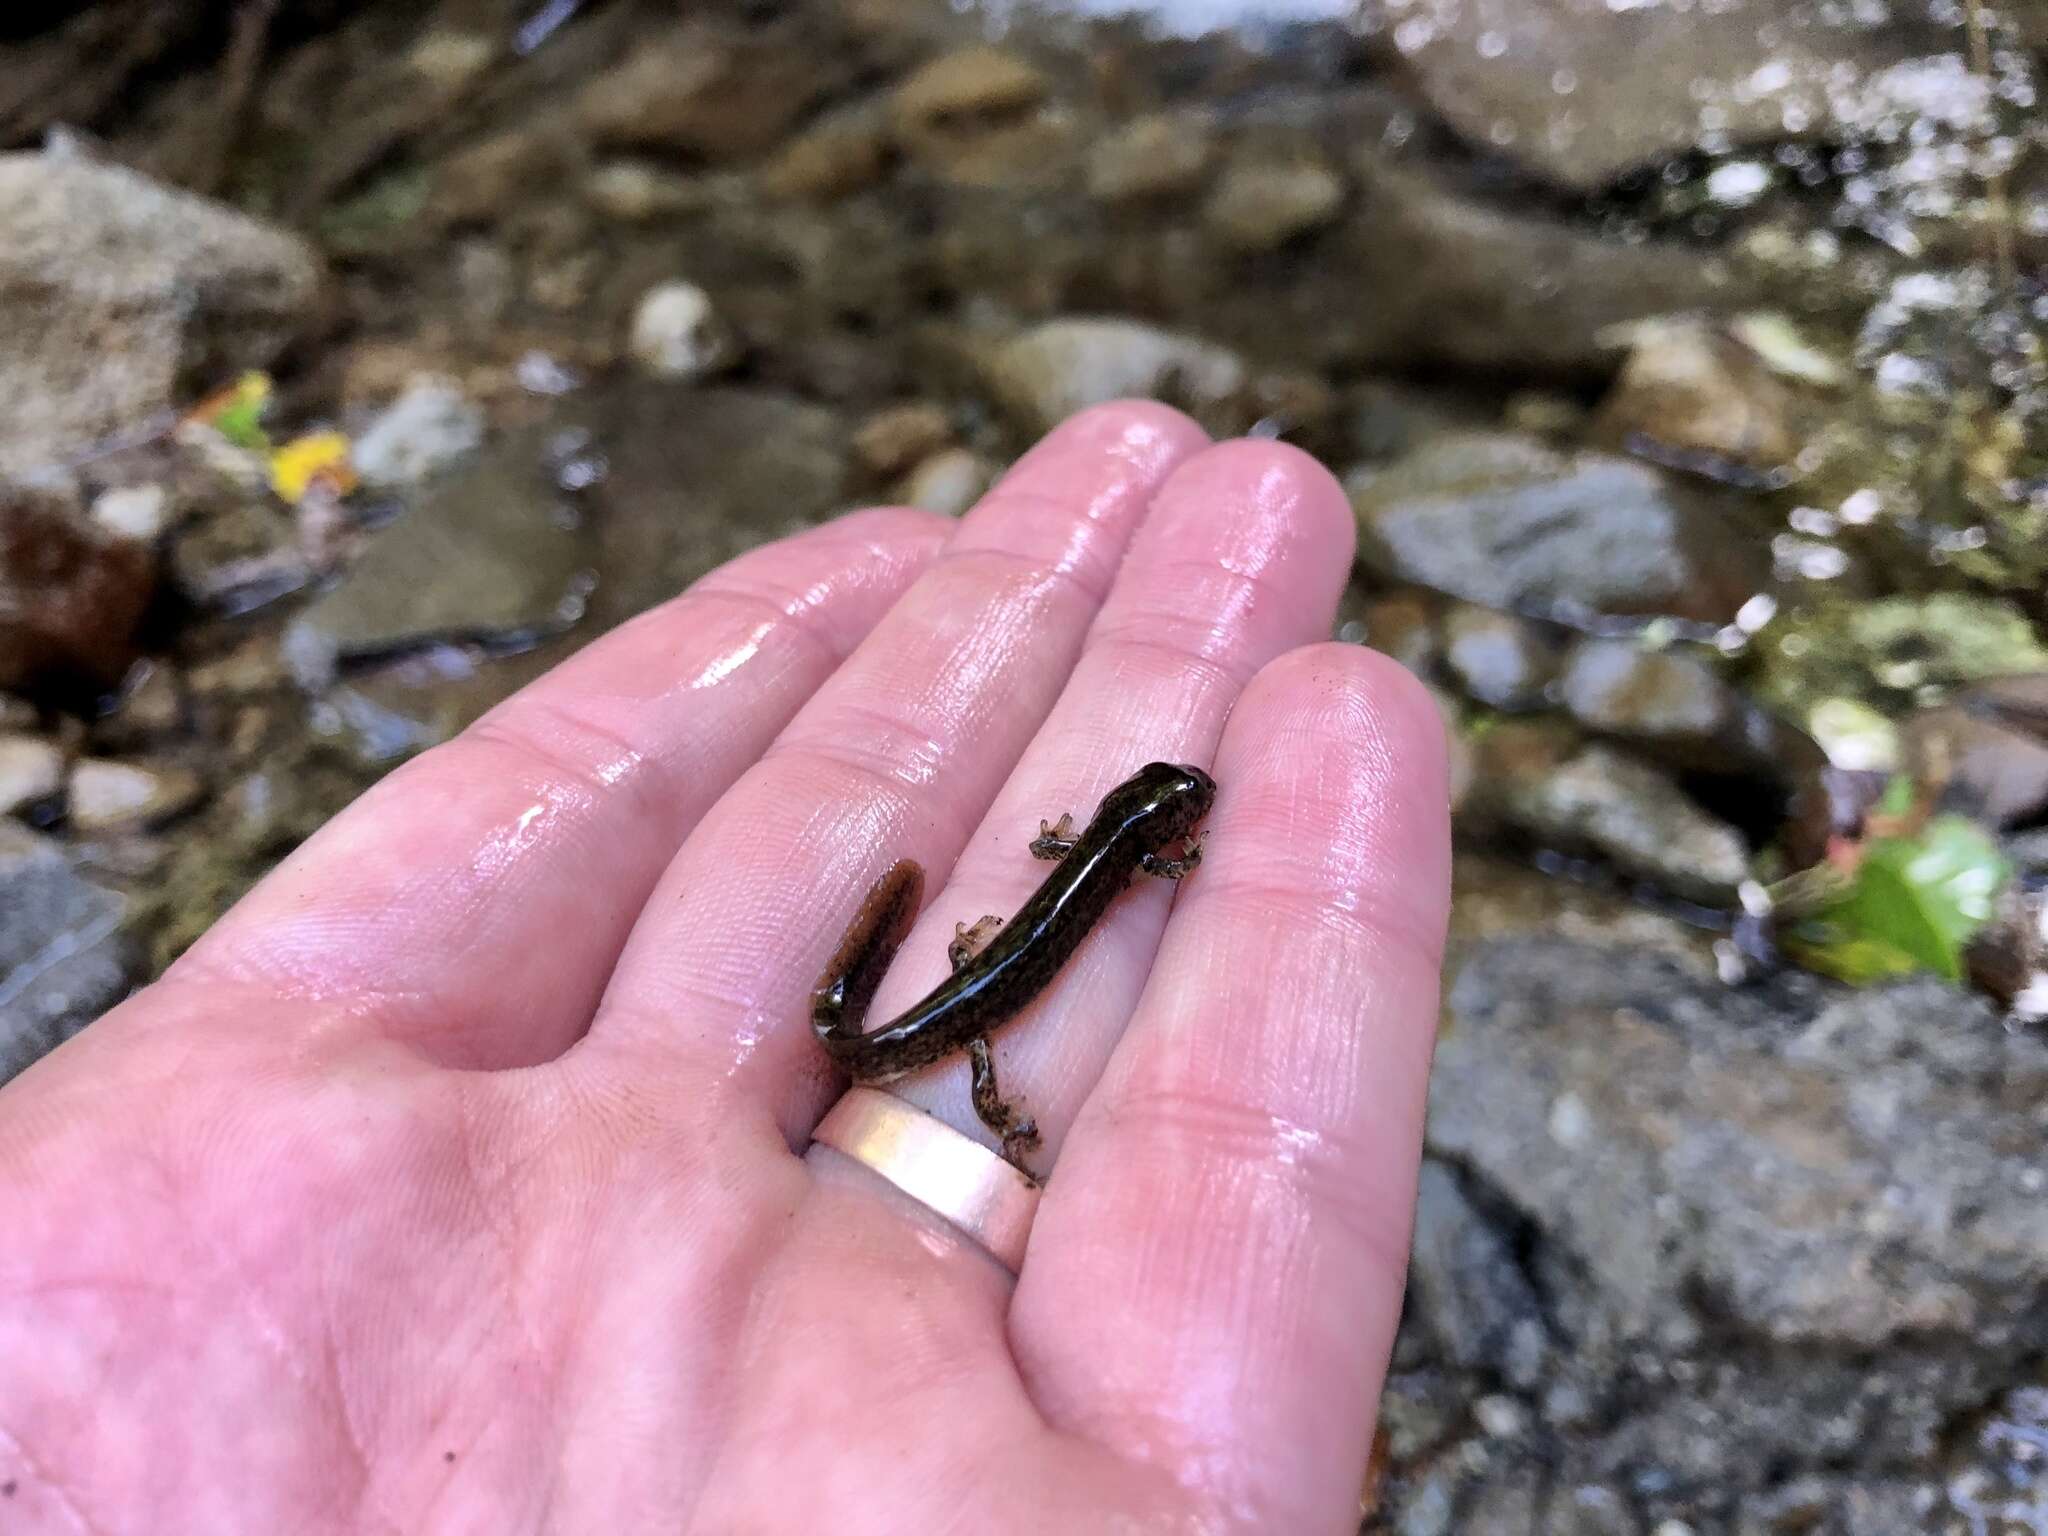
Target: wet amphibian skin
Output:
[(994, 978)]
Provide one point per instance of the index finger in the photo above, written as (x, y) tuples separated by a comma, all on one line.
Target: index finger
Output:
[(1217, 1268)]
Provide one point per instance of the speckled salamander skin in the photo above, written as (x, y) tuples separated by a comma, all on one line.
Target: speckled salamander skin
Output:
[(1155, 807)]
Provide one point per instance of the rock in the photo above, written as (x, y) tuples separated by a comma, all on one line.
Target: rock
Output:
[(948, 482), (426, 429), (1589, 1510), (1466, 1287), (1580, 91), (31, 770), (835, 157), (496, 551), (149, 709), (63, 957), (978, 118), (138, 512), (117, 295), (72, 591), (634, 192), (1508, 522), (1440, 277), (1888, 649), (979, 82), (1694, 388), (1666, 697), (1989, 747), (1601, 802), (676, 334), (1782, 1230), (1502, 661), (1260, 207), (1159, 155), (713, 97), (892, 440), (105, 796), (1055, 369)]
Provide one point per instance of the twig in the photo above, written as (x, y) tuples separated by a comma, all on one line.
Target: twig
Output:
[(238, 85)]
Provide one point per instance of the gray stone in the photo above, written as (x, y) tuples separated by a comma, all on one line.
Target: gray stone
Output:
[(1260, 207), (1661, 696), (1504, 1506), (1507, 522), (31, 769), (428, 428), (676, 334), (63, 957), (1793, 1228), (1500, 660), (1589, 1511), (118, 294), (1581, 91), (492, 550), (1467, 1289), (106, 796), (1055, 369), (1604, 802)]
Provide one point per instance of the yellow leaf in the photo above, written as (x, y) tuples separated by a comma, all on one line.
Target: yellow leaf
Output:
[(318, 458)]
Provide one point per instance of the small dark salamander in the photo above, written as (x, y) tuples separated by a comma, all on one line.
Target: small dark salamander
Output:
[(1157, 806)]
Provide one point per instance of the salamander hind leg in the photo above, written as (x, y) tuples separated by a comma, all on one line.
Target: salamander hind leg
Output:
[(1019, 1131), (1174, 869), (1055, 841), (969, 941)]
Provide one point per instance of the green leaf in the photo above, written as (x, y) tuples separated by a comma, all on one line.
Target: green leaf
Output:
[(1914, 905)]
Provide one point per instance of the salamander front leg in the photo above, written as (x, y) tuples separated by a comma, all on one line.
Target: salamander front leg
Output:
[(1173, 869), (970, 941), (1019, 1131), (1055, 841)]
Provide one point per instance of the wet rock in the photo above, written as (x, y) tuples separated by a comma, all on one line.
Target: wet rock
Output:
[(138, 512), (1505, 1506), (1508, 522), (713, 97), (839, 155), (949, 482), (978, 118), (72, 591), (1159, 155), (1503, 661), (634, 192), (1888, 649), (892, 440), (1589, 1510), (1053, 370), (426, 429), (1466, 1287), (1792, 1228), (238, 552), (1695, 390), (150, 708), (1439, 277), (1602, 802), (1989, 747), (1667, 697), (63, 958), (1582, 92), (118, 294), (676, 334), (494, 551), (1260, 207), (105, 796), (31, 770)]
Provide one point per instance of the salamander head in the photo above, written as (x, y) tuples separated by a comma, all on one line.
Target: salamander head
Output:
[(1170, 798)]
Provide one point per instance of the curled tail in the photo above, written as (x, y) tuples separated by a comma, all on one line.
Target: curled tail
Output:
[(839, 1002)]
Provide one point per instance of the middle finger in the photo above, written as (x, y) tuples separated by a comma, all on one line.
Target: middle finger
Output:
[(896, 756)]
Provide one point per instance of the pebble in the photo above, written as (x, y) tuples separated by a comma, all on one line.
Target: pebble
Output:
[(971, 82), (31, 769), (1159, 155), (1662, 696), (132, 511), (634, 192), (1501, 660), (892, 440), (426, 429), (677, 334), (1061, 366), (841, 154), (106, 795), (1262, 207), (948, 482)]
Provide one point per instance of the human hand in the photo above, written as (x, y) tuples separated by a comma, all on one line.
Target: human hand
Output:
[(457, 1180)]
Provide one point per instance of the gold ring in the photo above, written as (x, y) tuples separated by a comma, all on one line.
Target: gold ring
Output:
[(938, 1167)]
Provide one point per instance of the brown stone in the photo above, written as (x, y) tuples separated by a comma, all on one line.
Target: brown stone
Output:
[(71, 592)]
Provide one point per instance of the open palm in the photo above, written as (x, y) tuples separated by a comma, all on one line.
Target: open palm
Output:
[(458, 1180)]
